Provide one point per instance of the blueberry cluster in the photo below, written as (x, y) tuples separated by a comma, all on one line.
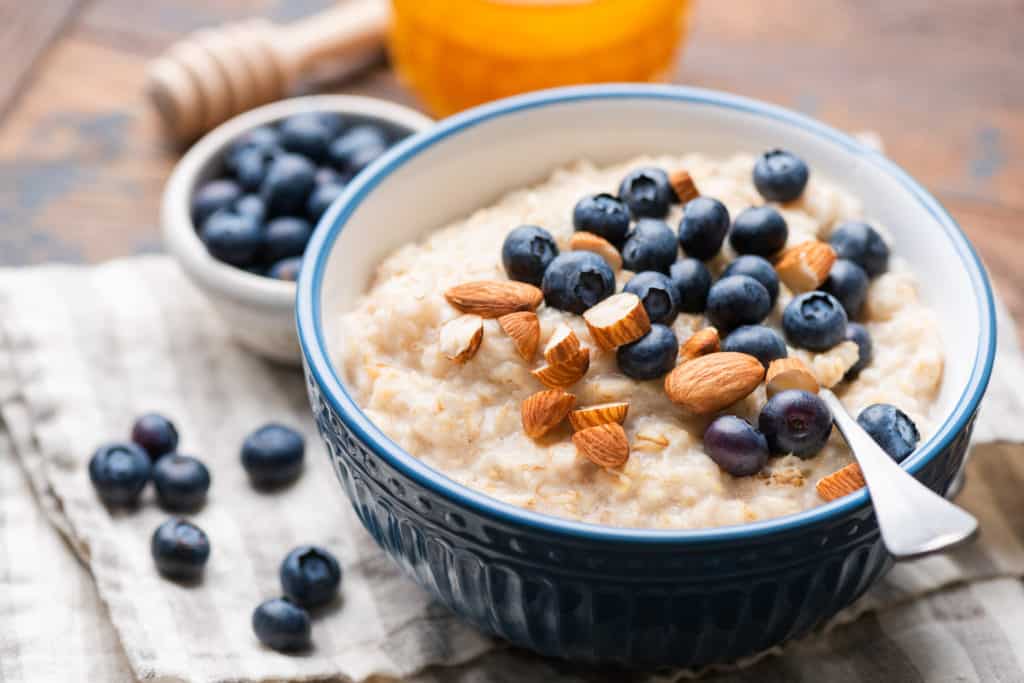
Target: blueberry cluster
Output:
[(310, 577), (276, 182)]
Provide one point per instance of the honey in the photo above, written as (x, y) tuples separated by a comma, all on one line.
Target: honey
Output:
[(458, 53)]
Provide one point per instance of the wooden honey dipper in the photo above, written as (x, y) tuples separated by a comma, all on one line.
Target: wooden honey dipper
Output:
[(216, 73)]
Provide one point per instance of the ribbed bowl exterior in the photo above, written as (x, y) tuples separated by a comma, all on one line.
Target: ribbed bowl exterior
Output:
[(637, 604)]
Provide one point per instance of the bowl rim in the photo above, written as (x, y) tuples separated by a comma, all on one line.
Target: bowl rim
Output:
[(320, 367), (179, 233)]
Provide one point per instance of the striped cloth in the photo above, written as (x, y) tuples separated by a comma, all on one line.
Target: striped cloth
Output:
[(84, 349)]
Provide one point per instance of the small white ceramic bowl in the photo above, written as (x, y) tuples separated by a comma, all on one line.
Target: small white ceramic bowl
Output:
[(258, 310)]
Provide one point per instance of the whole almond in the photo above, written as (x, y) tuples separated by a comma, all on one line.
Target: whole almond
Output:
[(524, 329), (701, 343), (494, 298), (603, 413), (619, 319), (588, 241), (564, 374), (545, 410), (841, 482), (563, 346), (789, 373), (605, 445), (683, 185), (805, 266), (460, 337), (710, 383)]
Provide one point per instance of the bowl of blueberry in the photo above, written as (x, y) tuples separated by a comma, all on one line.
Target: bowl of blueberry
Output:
[(242, 204)]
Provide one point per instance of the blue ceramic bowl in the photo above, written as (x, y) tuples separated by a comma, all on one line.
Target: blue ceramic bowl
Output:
[(587, 592)]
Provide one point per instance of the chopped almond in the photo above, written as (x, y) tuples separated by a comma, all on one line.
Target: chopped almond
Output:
[(524, 329), (805, 266), (605, 445), (588, 241), (603, 413), (841, 482), (460, 337), (789, 373), (563, 346), (619, 319), (545, 410), (701, 343), (564, 374), (684, 187)]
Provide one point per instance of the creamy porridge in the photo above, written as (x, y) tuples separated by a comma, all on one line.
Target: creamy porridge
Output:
[(464, 419)]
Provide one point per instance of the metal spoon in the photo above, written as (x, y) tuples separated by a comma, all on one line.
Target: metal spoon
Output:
[(913, 519)]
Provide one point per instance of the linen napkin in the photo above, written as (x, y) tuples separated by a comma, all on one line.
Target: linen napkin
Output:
[(85, 349)]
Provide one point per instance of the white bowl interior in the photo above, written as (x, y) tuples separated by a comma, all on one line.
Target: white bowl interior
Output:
[(472, 166)]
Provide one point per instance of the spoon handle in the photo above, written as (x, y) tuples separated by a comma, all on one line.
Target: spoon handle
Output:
[(913, 519)]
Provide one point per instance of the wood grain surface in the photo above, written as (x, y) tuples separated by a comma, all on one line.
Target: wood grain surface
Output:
[(83, 161)]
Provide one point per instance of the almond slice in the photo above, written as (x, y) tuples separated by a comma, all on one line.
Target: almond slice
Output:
[(588, 241), (545, 410), (494, 298), (683, 185), (460, 337), (563, 374), (605, 445), (789, 373), (805, 266), (563, 346), (524, 329), (701, 343), (710, 383), (603, 413), (841, 482), (619, 319)]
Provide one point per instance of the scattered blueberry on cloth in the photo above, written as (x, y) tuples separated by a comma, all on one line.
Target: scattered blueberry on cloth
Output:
[(84, 350)]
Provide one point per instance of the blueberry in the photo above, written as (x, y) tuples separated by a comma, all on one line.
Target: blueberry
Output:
[(759, 230), (155, 434), (119, 472), (310, 576), (250, 166), (692, 280), (307, 135), (356, 149), (325, 175), (181, 482), (282, 625), (862, 244), (286, 269), (650, 246), (815, 321), (251, 205), (288, 184), (758, 268), (858, 334), (651, 356), (780, 176), (891, 429), (180, 549), (333, 121), (603, 215), (647, 192), (848, 283), (285, 236), (659, 296), (797, 422), (737, 300), (232, 238), (759, 341), (273, 455), (577, 280), (703, 227), (264, 138), (527, 252), (736, 446), (213, 196), (323, 196)]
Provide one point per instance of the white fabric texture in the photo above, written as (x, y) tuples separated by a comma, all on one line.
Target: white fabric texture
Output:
[(85, 349)]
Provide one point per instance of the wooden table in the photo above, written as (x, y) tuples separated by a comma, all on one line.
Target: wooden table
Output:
[(83, 161)]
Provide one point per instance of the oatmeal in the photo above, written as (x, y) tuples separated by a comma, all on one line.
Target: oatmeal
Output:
[(455, 400)]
